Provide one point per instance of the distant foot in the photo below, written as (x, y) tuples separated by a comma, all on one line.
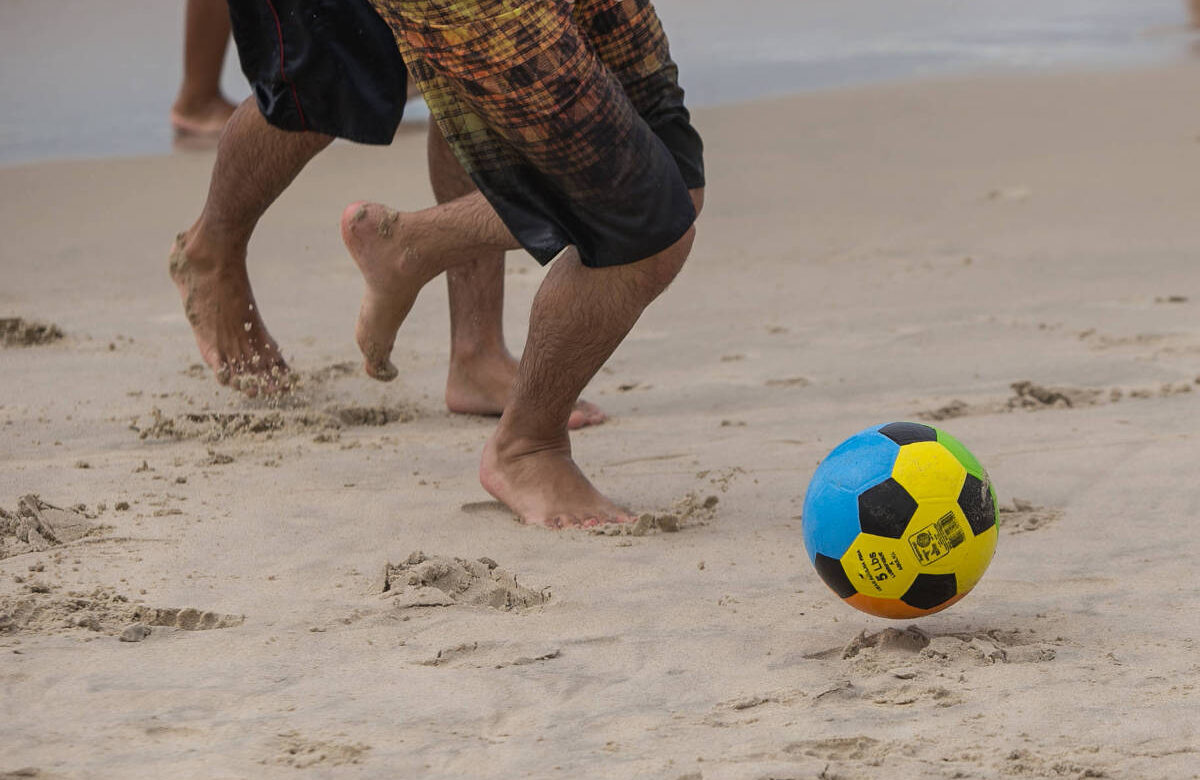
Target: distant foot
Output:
[(220, 306), (542, 484), (201, 120), (394, 270), (585, 414), (481, 386)]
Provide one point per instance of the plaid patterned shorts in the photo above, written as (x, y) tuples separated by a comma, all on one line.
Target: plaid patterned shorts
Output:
[(567, 115)]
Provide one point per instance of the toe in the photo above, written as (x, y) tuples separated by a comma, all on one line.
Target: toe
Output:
[(385, 371), (250, 386), (585, 414), (352, 215), (278, 380)]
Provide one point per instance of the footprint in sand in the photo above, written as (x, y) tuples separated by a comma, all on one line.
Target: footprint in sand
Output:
[(795, 381), (28, 773), (301, 752), (1022, 516), (905, 695), (689, 511), (1026, 763), (219, 426), (906, 668), (1032, 397), (330, 372), (1103, 341), (909, 653), (18, 332), (983, 648), (840, 748), (37, 525), (486, 508), (44, 609), (437, 581), (490, 655)]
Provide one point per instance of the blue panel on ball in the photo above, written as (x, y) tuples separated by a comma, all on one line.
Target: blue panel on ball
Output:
[(830, 518), (863, 460)]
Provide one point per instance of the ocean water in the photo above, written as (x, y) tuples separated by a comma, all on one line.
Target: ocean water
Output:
[(81, 78), (733, 49)]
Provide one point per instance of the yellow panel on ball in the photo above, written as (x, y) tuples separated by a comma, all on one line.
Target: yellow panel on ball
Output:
[(937, 537), (940, 540), (928, 470), (879, 566), (975, 559)]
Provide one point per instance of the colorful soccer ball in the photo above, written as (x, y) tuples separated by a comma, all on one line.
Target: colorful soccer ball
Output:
[(900, 520)]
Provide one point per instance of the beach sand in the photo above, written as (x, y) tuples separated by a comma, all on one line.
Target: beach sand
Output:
[(300, 585)]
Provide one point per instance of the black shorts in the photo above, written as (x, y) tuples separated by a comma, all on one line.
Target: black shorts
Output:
[(329, 66), (567, 114)]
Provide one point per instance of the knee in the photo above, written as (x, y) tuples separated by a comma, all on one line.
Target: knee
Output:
[(661, 269), (446, 174)]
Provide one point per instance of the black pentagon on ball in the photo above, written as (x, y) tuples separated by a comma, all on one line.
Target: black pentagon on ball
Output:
[(885, 509), (975, 500), (834, 575), (908, 433), (930, 590)]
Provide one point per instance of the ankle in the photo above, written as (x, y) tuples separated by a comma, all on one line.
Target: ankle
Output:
[(476, 354), (197, 104), (513, 441), (421, 253), (206, 254)]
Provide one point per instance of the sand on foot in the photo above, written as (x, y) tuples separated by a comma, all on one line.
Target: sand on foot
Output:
[(232, 338)]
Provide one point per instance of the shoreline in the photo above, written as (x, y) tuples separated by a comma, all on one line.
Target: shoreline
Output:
[(120, 107), (418, 125)]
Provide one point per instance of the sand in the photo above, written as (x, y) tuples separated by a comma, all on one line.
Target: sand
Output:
[(1014, 257)]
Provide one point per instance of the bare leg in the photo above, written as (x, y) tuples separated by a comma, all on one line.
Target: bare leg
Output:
[(579, 317), (255, 163), (1195, 5), (482, 370), (200, 108)]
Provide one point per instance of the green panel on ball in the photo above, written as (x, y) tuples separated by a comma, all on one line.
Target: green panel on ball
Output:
[(962, 453)]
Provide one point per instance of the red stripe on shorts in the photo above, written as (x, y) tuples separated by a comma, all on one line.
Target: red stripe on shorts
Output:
[(282, 72)]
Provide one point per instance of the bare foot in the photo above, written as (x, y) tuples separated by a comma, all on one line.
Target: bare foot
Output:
[(394, 269), (396, 261), (220, 306), (542, 484), (481, 386), (203, 120)]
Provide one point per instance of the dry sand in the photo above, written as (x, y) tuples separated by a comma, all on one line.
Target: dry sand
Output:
[(1016, 257)]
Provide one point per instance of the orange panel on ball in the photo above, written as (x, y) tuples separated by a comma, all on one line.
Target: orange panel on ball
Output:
[(894, 608)]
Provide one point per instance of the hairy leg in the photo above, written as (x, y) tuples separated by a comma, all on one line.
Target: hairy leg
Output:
[(255, 163), (579, 317), (478, 354), (482, 370), (200, 108)]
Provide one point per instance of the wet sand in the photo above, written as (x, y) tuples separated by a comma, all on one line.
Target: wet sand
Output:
[(218, 587)]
